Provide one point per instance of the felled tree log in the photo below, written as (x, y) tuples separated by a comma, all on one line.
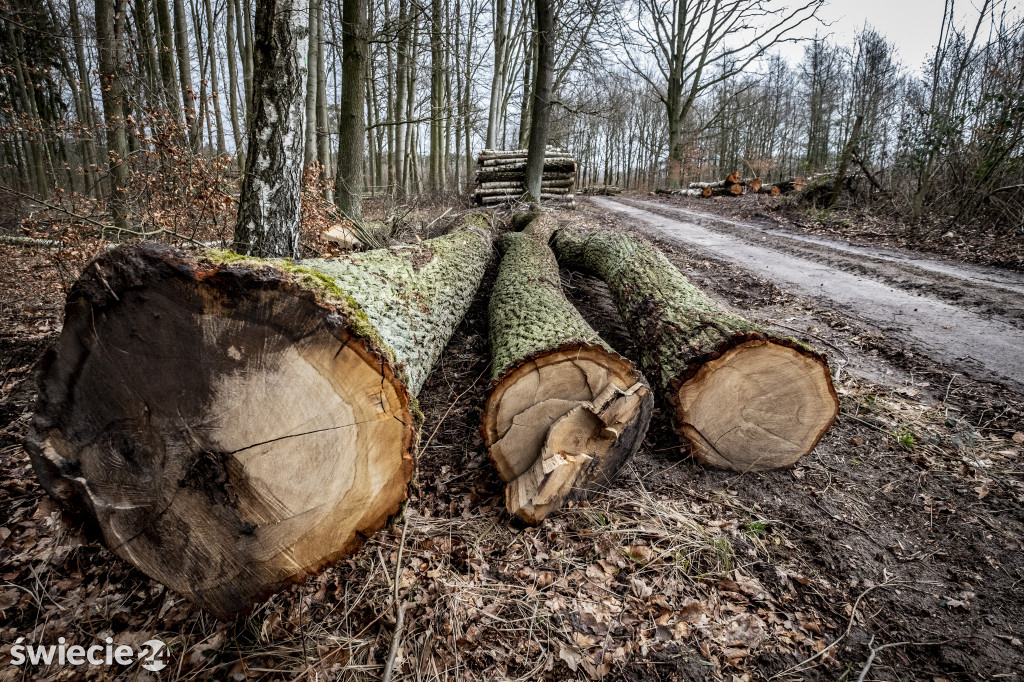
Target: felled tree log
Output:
[(232, 425), (733, 190), (564, 412), (743, 398), (603, 190), (545, 197), (753, 183), (791, 185), (517, 176)]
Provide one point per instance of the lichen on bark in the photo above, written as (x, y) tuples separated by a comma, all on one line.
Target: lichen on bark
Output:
[(528, 311), (672, 321)]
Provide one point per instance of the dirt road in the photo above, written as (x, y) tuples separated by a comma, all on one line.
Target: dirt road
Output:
[(967, 317)]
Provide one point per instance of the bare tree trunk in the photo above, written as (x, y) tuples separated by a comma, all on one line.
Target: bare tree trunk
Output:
[(311, 84), (269, 206), (436, 96), (529, 54), (88, 115), (541, 98), (401, 80), (351, 114), (165, 43), (497, 79), (323, 135), (210, 29), (109, 34), (234, 100), (246, 48), (185, 74)]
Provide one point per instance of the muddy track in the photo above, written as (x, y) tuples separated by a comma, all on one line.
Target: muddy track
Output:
[(968, 317)]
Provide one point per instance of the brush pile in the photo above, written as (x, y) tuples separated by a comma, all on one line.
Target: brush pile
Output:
[(501, 177)]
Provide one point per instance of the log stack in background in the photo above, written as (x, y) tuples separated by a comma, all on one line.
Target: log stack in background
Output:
[(501, 176), (734, 186)]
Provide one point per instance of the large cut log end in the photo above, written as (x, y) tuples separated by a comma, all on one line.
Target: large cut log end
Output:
[(229, 427), (762, 404), (559, 425)]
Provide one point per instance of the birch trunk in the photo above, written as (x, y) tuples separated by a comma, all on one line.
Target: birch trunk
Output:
[(270, 201)]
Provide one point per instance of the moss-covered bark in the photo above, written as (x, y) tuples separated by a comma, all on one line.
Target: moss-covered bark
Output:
[(230, 424), (415, 295), (742, 398), (564, 411), (673, 323), (529, 313)]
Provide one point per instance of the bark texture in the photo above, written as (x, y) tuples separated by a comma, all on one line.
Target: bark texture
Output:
[(564, 412), (540, 111), (265, 423), (348, 185), (269, 206), (742, 397)]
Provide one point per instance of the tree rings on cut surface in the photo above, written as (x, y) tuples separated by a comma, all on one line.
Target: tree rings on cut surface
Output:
[(743, 398), (759, 405), (558, 426), (228, 427)]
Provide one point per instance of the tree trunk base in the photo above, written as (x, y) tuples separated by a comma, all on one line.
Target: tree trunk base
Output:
[(229, 428), (762, 404), (559, 425)]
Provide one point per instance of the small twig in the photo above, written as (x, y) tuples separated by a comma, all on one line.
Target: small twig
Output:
[(431, 223), (400, 618), (103, 226), (393, 653), (57, 207), (849, 627), (874, 652), (14, 240)]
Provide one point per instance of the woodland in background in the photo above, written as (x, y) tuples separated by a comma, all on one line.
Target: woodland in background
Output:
[(153, 96)]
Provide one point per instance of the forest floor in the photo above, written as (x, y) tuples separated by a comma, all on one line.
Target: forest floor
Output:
[(903, 530)]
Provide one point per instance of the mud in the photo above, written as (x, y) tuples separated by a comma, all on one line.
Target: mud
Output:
[(967, 316)]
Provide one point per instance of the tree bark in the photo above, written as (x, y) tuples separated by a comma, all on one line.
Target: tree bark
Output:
[(540, 112), (271, 197), (87, 117), (348, 188), (109, 40), (323, 135), (312, 77), (436, 98), (742, 398), (165, 44), (564, 412), (214, 80), (266, 426), (233, 99), (185, 75)]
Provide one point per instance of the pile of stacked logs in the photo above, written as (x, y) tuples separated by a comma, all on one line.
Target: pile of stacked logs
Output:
[(734, 186), (501, 176)]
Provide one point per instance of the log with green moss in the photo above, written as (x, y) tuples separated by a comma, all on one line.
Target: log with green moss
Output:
[(231, 425), (564, 411), (742, 398)]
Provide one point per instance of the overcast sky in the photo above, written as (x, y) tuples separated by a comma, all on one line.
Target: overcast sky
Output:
[(913, 25)]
